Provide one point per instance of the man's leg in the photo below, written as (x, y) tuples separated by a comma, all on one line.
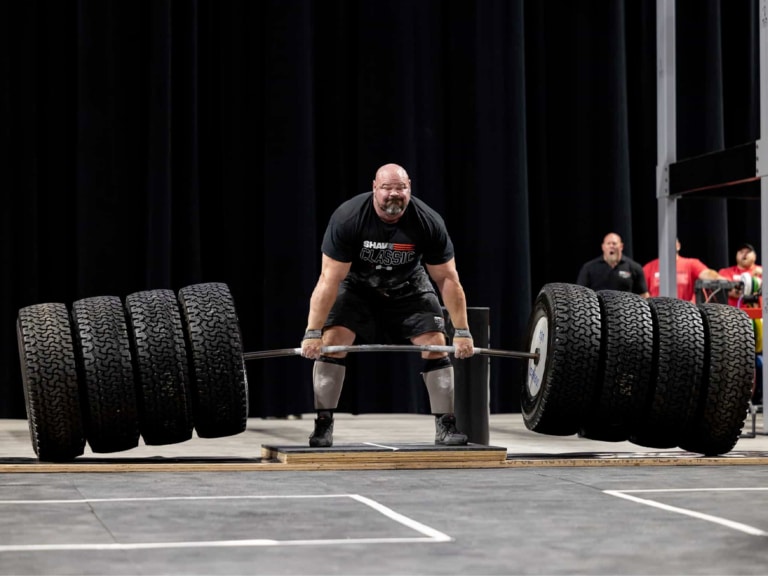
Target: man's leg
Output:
[(425, 326), (438, 377), (327, 381)]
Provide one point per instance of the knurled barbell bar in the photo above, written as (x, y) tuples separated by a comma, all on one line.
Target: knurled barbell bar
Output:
[(605, 365)]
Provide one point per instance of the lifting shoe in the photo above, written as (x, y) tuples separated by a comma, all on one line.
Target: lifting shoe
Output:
[(446, 433), (322, 437)]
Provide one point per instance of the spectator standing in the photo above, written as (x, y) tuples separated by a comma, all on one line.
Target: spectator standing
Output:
[(613, 270), (745, 270), (746, 263), (688, 271)]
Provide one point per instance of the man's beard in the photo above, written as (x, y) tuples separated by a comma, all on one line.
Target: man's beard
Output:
[(393, 207)]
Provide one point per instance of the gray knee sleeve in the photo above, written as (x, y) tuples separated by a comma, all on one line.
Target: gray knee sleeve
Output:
[(440, 387), (327, 380)]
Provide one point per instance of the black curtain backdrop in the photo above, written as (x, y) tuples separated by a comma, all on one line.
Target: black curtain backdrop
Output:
[(155, 143)]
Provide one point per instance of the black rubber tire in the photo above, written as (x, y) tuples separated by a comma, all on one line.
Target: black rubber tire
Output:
[(565, 327), (678, 371), (215, 349), (161, 370), (49, 377), (730, 369), (625, 367), (103, 355)]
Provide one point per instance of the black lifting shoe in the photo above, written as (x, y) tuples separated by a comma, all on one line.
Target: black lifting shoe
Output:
[(446, 433), (322, 437)]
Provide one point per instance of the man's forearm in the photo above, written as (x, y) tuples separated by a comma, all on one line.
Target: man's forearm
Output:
[(320, 304), (710, 274), (456, 303)]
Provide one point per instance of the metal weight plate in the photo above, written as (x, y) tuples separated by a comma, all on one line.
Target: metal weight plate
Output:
[(730, 368), (565, 330), (219, 383), (103, 356), (625, 367), (678, 370), (49, 376), (157, 341)]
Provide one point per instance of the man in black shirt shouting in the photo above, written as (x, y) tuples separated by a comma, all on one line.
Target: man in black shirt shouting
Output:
[(613, 270), (380, 250)]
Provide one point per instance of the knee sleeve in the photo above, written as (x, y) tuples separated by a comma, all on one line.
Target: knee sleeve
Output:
[(333, 360), (440, 388), (436, 364), (327, 380)]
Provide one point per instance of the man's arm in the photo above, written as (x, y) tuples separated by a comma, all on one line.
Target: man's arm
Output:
[(726, 273), (323, 297), (705, 272), (446, 277), (709, 274)]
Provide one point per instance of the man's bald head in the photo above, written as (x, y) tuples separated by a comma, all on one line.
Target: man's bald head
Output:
[(390, 171), (391, 192)]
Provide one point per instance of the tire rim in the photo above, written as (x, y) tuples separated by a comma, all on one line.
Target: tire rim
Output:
[(539, 340)]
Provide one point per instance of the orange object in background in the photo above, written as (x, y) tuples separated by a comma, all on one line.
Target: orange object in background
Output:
[(754, 313)]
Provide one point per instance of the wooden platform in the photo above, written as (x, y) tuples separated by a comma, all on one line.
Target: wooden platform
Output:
[(376, 454), (379, 457), (671, 458)]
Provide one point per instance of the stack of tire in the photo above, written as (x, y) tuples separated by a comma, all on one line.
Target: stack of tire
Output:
[(156, 365), (658, 372)]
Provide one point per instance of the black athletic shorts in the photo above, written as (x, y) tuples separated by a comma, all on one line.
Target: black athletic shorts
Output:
[(378, 318)]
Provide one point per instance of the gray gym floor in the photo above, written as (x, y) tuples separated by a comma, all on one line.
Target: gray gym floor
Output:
[(564, 506)]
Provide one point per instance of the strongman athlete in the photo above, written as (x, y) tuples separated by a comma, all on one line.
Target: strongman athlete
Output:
[(378, 248)]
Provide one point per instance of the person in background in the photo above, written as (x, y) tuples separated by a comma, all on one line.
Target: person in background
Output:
[(380, 251), (688, 271), (746, 263), (747, 271), (613, 270)]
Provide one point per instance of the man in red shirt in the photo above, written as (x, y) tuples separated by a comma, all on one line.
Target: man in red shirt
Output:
[(746, 259), (688, 271), (746, 262)]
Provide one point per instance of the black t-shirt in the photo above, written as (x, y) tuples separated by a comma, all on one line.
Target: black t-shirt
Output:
[(387, 256), (626, 276)]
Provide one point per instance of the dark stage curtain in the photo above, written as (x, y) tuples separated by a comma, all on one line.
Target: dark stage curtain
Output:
[(155, 144)]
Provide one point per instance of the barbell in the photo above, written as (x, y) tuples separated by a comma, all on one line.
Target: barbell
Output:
[(388, 348), (604, 365)]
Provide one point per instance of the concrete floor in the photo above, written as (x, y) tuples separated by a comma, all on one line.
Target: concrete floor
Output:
[(598, 510)]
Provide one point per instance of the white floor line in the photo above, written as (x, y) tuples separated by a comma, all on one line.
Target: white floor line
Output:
[(730, 489), (397, 517), (210, 544), (747, 529), (430, 535), (169, 498), (393, 448)]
